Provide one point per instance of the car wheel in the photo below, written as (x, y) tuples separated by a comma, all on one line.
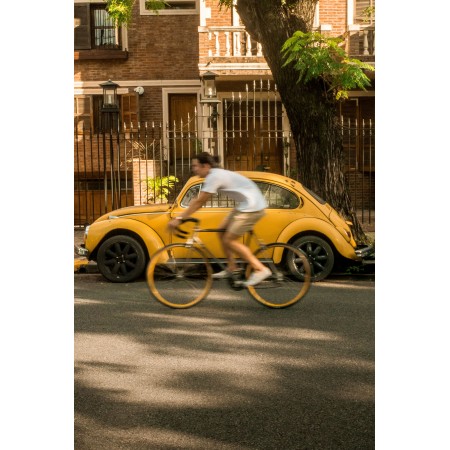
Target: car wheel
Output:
[(121, 259), (320, 255)]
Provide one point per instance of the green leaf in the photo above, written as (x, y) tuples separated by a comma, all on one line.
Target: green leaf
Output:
[(315, 56), (160, 188)]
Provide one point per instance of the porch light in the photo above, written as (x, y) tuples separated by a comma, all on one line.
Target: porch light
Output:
[(209, 85), (110, 95), (209, 98)]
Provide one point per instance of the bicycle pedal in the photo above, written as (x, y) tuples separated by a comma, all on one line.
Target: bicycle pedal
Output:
[(237, 285)]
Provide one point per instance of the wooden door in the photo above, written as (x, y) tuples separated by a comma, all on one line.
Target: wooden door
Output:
[(182, 127)]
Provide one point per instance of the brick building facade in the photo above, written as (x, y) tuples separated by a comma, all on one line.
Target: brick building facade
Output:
[(166, 54)]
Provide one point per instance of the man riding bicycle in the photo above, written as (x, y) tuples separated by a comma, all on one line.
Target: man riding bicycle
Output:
[(250, 206)]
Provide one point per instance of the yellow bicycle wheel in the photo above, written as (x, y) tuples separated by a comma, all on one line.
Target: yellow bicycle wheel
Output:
[(282, 288), (179, 275)]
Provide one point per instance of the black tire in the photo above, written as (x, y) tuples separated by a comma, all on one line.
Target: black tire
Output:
[(179, 275), (281, 289), (121, 259), (320, 256)]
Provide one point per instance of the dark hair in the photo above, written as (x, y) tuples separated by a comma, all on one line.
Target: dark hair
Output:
[(207, 158)]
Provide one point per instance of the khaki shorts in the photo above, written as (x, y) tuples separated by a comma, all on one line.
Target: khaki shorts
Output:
[(239, 222)]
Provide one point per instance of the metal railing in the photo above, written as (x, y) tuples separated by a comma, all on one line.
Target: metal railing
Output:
[(234, 44), (150, 163), (359, 147), (139, 169)]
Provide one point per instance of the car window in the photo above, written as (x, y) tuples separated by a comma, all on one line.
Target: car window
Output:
[(190, 195), (278, 197), (216, 201)]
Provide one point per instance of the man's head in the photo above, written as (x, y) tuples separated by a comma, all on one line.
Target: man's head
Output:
[(202, 163)]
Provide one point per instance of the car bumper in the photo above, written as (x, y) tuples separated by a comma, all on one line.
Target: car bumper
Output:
[(364, 251), (81, 250)]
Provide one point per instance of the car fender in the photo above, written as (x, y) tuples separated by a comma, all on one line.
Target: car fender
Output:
[(314, 226), (111, 227)]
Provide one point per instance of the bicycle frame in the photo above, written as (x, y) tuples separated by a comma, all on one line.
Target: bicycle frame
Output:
[(195, 239)]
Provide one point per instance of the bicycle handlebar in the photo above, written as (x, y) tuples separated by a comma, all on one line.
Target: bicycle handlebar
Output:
[(182, 233)]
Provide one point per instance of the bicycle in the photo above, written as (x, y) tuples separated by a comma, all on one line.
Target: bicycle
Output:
[(179, 275)]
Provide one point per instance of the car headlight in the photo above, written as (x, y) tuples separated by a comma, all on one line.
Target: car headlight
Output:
[(86, 231)]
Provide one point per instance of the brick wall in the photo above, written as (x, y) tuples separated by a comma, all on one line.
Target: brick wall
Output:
[(91, 155), (334, 13), (220, 17), (159, 47)]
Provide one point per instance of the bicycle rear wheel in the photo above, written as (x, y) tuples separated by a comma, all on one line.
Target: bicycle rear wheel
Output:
[(179, 275), (282, 288)]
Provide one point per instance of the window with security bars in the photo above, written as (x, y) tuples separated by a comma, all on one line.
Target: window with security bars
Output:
[(104, 30), (93, 28), (276, 197)]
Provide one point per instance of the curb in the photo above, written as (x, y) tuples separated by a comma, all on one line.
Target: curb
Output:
[(83, 265)]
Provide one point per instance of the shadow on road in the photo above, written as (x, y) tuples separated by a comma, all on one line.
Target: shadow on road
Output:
[(226, 374)]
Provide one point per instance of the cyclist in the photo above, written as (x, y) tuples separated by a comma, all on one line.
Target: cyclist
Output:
[(250, 206)]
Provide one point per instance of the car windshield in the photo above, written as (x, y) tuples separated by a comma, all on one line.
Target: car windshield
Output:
[(216, 201), (276, 197)]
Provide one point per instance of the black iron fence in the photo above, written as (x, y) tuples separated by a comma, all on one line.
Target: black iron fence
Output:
[(359, 146), (151, 163), (134, 164)]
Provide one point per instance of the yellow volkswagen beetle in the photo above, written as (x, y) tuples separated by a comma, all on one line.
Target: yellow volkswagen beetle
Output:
[(122, 241)]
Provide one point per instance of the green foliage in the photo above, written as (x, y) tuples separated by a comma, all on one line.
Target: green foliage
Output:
[(159, 189), (368, 13), (156, 5), (315, 56), (121, 10), (227, 4)]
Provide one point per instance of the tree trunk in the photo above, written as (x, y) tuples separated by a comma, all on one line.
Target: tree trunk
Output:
[(312, 114)]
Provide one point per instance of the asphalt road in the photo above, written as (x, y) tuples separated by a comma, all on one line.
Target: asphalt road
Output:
[(225, 374)]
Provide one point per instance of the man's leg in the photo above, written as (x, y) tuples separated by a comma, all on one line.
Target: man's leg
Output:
[(232, 244), (231, 262), (239, 224)]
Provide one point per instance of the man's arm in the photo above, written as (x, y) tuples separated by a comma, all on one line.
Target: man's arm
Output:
[(194, 205)]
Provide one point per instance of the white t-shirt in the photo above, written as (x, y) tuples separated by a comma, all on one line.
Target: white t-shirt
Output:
[(244, 191)]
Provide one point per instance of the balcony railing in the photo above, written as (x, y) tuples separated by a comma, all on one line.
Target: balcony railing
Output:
[(361, 41), (230, 42), (236, 44)]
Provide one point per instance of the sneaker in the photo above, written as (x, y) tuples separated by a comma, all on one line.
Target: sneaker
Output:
[(257, 277), (225, 274), (222, 275)]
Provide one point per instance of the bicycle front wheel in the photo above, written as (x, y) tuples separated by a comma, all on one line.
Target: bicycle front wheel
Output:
[(282, 288), (179, 275)]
